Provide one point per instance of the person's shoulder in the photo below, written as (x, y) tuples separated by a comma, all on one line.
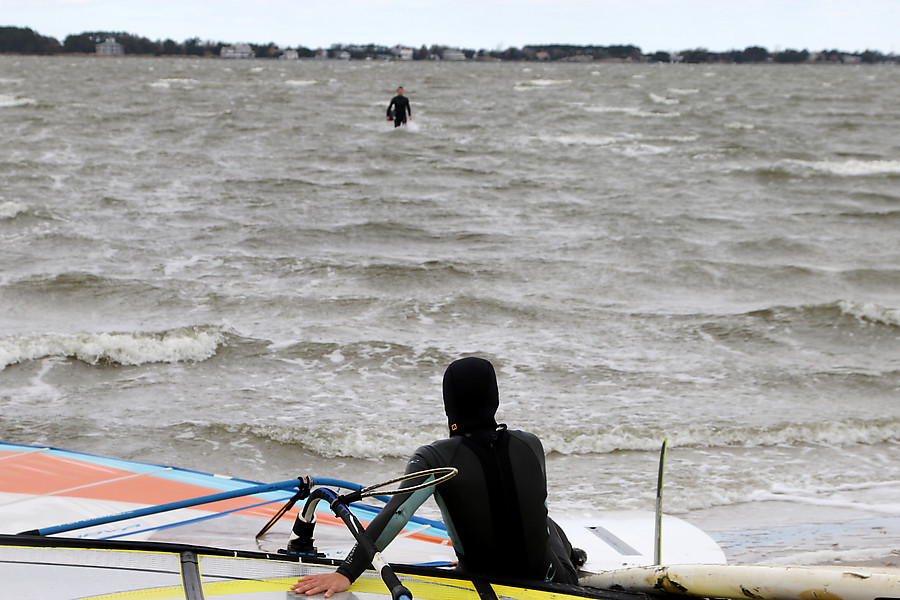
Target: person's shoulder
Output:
[(442, 444), (524, 435), (430, 453), (527, 437)]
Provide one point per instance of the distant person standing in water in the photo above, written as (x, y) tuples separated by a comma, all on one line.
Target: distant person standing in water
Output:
[(399, 108)]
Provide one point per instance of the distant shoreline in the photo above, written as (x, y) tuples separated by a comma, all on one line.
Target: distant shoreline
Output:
[(92, 55), (25, 41)]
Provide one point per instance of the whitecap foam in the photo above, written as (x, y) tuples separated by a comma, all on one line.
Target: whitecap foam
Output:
[(176, 345), (300, 82), (868, 311), (534, 84), (591, 440), (683, 92), (635, 150), (10, 210), (583, 140), (7, 101), (629, 110), (340, 441), (657, 99), (851, 168)]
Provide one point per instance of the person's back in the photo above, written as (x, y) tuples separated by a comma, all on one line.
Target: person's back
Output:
[(496, 505), (494, 508)]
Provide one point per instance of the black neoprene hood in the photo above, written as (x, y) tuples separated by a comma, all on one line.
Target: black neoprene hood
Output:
[(470, 395)]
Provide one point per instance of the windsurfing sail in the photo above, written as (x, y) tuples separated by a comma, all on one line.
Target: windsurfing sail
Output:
[(41, 488)]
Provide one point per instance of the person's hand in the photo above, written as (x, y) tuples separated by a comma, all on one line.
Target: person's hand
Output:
[(388, 118), (323, 582)]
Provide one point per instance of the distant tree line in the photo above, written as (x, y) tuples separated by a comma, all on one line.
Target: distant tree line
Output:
[(756, 54), (18, 40)]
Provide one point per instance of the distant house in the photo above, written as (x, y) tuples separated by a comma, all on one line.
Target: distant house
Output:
[(237, 51), (453, 54), (290, 54), (402, 53), (110, 47)]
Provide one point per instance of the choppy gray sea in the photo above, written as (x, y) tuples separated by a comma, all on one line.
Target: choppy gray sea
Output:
[(241, 267)]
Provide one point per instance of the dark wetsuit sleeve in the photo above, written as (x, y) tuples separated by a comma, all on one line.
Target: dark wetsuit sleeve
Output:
[(390, 521), (390, 106)]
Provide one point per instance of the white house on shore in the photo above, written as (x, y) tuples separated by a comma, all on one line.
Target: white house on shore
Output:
[(110, 47), (452, 54), (237, 51), (402, 53)]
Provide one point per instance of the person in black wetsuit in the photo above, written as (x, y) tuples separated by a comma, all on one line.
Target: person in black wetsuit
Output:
[(494, 508), (399, 108)]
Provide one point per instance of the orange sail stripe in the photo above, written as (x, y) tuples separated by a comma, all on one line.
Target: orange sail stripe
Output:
[(39, 474)]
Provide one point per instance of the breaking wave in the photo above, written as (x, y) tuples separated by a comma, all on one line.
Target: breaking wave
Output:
[(175, 345), (399, 441), (590, 440), (830, 313), (630, 110), (847, 168), (540, 83), (7, 101), (10, 210), (851, 168), (873, 313)]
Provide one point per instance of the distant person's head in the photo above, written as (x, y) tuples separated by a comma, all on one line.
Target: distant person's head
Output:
[(400, 91), (470, 395)]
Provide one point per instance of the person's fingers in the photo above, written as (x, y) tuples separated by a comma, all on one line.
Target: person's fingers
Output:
[(316, 584)]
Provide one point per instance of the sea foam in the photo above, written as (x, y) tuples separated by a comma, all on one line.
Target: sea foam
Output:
[(10, 210), (175, 345), (7, 101), (377, 442), (851, 168), (592, 440), (868, 311)]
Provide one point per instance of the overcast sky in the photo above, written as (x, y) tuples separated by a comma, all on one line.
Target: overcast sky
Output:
[(718, 25)]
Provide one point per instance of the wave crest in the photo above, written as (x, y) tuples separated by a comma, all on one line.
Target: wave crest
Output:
[(343, 441), (846, 168), (868, 311), (10, 210), (591, 440), (399, 441), (175, 345), (829, 314)]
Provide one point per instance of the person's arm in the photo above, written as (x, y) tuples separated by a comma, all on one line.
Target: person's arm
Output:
[(389, 522), (382, 530), (390, 104)]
